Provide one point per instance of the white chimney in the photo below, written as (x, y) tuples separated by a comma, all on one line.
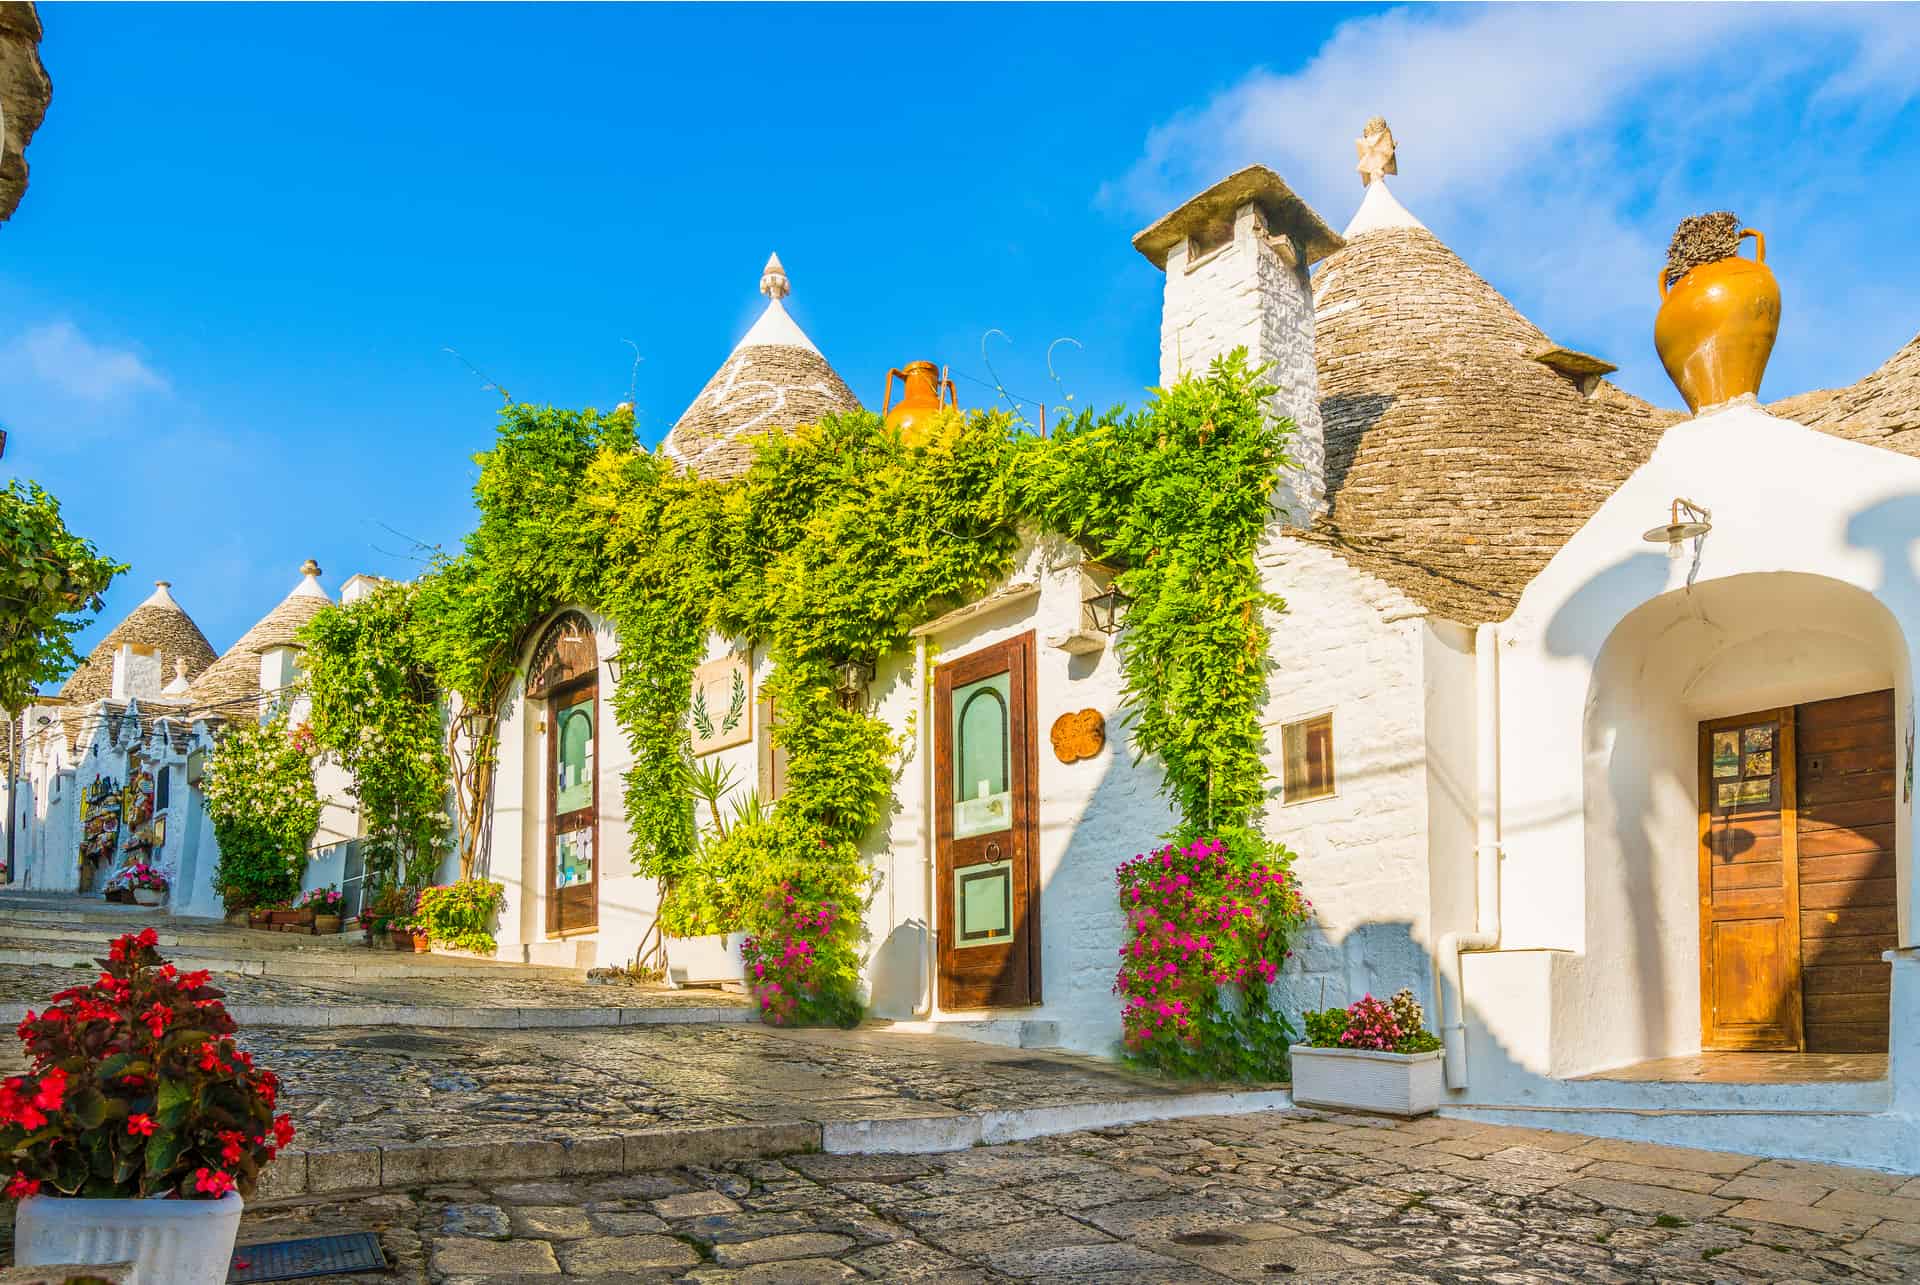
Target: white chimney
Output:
[(1236, 258)]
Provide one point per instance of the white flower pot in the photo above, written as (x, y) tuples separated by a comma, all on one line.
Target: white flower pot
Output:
[(148, 896), (704, 961), (1402, 1084), (169, 1242)]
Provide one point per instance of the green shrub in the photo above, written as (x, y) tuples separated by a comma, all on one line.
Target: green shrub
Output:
[(461, 914)]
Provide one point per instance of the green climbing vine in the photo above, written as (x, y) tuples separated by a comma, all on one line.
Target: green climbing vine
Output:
[(837, 542), (376, 709)]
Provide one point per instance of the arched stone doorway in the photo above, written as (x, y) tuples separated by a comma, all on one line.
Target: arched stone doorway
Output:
[(564, 672), (1747, 865)]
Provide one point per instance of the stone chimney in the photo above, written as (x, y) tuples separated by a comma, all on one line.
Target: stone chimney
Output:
[(136, 672), (1236, 258)]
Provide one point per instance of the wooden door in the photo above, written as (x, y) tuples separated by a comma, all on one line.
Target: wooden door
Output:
[(573, 807), (1749, 884), (985, 759), (1846, 767)]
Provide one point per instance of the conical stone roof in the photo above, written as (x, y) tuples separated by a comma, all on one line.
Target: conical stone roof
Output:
[(1458, 463), (1883, 409), (226, 689), (159, 623), (774, 379)]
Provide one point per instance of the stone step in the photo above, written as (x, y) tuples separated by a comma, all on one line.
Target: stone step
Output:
[(201, 933), (285, 963)]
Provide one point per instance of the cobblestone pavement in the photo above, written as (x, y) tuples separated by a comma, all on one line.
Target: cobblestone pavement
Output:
[(1297, 1194), (380, 1086), (29, 985)]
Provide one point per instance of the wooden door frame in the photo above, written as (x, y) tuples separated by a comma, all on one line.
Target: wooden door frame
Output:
[(1785, 757), (558, 697), (1023, 739)]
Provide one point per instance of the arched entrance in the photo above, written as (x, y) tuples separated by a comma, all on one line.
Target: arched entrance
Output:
[(565, 673), (1746, 862)]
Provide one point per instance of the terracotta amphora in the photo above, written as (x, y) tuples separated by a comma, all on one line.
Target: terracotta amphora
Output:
[(1716, 327), (920, 402)]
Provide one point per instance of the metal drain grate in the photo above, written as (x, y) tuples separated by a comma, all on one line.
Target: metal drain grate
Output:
[(288, 1260)]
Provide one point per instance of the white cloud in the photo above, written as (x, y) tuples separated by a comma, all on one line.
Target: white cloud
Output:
[(1477, 95), (1555, 147), (65, 362)]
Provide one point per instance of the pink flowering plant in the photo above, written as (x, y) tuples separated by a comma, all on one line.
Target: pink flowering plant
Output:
[(138, 875), (1211, 920), (321, 901), (801, 963), (1396, 1025), (135, 1088)]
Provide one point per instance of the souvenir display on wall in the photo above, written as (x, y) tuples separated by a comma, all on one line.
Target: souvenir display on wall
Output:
[(137, 808)]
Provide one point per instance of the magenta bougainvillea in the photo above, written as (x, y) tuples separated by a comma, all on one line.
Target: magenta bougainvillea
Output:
[(800, 969), (136, 1088), (1211, 921)]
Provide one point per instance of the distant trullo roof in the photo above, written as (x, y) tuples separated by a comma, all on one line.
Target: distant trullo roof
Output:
[(159, 623), (224, 689), (775, 378)]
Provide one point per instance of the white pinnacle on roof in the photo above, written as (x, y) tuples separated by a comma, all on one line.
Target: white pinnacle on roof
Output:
[(160, 597), (1378, 158), (1380, 210), (775, 329), (309, 585)]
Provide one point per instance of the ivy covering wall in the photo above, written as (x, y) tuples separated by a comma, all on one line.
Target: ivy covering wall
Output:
[(837, 542)]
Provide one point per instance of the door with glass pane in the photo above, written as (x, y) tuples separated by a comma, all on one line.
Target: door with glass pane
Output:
[(573, 866), (984, 764)]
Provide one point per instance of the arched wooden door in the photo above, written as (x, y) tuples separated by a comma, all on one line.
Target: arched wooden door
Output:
[(565, 673)]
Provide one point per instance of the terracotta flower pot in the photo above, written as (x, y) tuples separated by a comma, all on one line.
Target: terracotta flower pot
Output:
[(400, 939), (1717, 325), (421, 942), (324, 924), (259, 918), (284, 916)]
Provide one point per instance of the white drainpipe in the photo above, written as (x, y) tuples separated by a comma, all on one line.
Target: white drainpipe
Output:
[(1486, 853)]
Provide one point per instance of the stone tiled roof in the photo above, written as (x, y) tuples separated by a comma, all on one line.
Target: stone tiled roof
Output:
[(1457, 463), (234, 679), (1883, 409), (24, 92), (774, 379), (160, 623)]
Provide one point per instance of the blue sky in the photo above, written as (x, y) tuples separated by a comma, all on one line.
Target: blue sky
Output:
[(252, 230)]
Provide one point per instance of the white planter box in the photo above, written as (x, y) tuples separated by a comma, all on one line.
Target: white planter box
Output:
[(1403, 1084), (705, 961), (148, 896), (169, 1242)]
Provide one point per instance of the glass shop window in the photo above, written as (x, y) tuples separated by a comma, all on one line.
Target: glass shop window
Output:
[(1308, 749)]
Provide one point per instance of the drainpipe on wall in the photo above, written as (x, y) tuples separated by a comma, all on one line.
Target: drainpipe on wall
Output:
[(928, 960), (1486, 852)]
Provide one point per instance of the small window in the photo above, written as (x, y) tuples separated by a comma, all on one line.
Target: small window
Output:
[(162, 789), (1308, 746)]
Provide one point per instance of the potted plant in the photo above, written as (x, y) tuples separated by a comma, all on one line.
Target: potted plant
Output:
[(1373, 1055), (705, 911), (325, 905), (149, 885), (461, 915), (260, 917), (385, 918), (139, 1126)]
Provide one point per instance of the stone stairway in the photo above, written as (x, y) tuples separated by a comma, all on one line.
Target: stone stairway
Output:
[(73, 931)]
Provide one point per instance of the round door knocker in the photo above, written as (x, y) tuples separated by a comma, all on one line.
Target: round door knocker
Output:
[(1079, 735), (993, 850)]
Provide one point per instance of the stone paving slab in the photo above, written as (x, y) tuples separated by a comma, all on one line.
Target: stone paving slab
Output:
[(503, 996), (394, 1109), (1198, 1201)]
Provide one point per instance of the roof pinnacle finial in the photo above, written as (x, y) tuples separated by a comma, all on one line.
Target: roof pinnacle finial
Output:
[(1375, 147), (310, 568), (773, 280)]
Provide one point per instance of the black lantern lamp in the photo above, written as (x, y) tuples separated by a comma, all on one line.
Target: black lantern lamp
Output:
[(854, 676), (1108, 610)]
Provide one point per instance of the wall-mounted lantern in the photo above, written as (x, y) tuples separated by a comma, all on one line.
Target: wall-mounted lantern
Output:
[(1677, 531), (1107, 610), (854, 676), (614, 662)]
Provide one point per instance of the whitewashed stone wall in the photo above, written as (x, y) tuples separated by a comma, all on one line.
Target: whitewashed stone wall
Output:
[(1245, 294), (1094, 814), (1354, 646)]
